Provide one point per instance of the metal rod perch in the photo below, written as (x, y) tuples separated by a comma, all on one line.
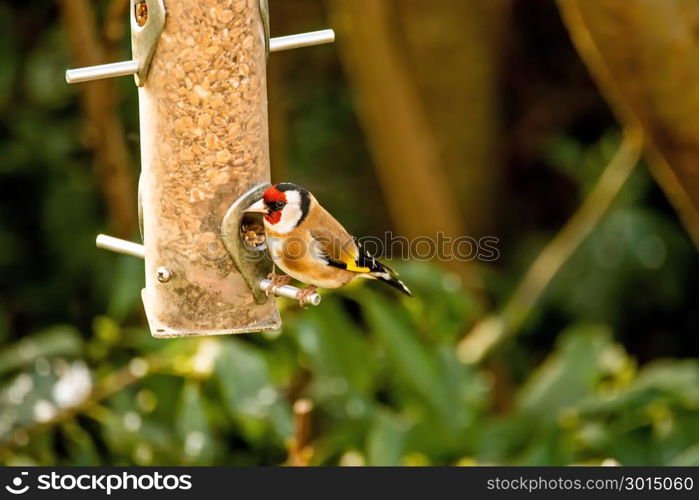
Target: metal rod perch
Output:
[(290, 292), (135, 250), (102, 71), (301, 40), (120, 246), (124, 68)]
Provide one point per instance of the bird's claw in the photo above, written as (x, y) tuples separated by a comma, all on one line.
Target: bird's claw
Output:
[(278, 281), (304, 294)]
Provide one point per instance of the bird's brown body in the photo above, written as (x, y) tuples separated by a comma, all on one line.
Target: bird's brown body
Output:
[(300, 255), (310, 245)]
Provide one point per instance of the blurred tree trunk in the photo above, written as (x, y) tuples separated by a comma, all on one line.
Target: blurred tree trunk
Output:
[(116, 27), (452, 48), (278, 120), (644, 55), (427, 105), (113, 166), (288, 18), (282, 22)]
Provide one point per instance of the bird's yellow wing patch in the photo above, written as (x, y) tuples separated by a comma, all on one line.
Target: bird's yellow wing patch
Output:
[(352, 266), (348, 257), (339, 249)]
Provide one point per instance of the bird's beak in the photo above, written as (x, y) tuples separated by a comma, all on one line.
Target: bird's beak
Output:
[(257, 207)]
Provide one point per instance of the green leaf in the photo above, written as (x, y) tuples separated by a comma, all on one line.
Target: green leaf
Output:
[(127, 282), (569, 374), (61, 340), (386, 439), (414, 363), (688, 458), (441, 306), (39, 395), (678, 379), (249, 393), (193, 427), (338, 353), (80, 445)]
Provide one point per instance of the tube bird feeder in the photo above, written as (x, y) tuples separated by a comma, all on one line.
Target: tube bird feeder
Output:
[(201, 71), (204, 142)]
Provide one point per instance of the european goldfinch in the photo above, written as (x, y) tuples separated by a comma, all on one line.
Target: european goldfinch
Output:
[(309, 245)]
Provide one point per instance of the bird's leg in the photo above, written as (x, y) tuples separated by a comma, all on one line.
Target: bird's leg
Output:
[(278, 281), (304, 294)]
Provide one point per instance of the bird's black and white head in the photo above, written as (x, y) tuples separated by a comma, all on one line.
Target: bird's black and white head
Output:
[(284, 207)]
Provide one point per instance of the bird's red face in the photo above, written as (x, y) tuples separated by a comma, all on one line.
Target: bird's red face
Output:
[(284, 206), (275, 201)]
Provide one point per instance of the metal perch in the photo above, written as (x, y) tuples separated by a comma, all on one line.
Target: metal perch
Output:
[(135, 250), (132, 67)]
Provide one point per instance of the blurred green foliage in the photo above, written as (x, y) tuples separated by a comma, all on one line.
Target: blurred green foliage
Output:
[(386, 388), (606, 366)]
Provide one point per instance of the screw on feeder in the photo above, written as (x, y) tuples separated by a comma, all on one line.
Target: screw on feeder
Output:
[(163, 274)]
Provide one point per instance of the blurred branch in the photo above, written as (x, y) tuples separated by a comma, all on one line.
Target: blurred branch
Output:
[(107, 386), (493, 330), (113, 166), (285, 16), (643, 55), (115, 26), (300, 451), (452, 50), (278, 121), (416, 187)]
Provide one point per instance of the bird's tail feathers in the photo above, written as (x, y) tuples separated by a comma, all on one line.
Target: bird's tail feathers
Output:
[(391, 280), (379, 270)]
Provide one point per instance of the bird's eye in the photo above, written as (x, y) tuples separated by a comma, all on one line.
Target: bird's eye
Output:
[(277, 205)]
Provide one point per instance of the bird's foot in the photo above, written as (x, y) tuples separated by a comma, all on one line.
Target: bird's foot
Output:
[(278, 281), (304, 294)]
